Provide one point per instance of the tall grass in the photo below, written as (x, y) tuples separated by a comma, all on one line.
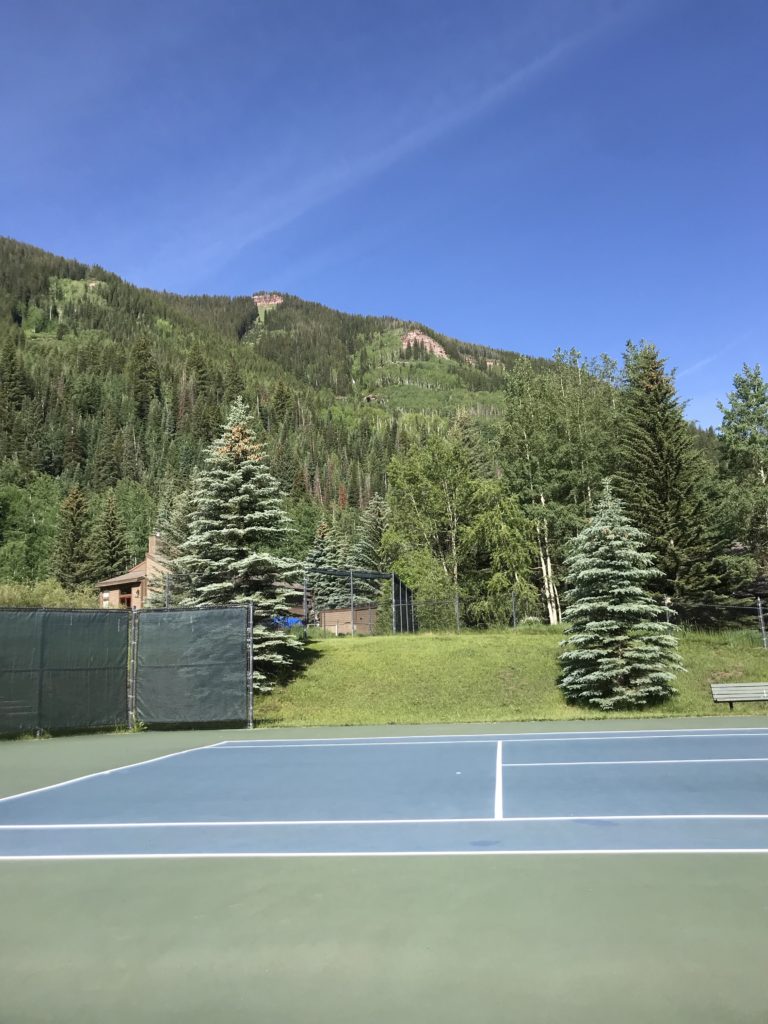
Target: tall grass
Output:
[(45, 594)]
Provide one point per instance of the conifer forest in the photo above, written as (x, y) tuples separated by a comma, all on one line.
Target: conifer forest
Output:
[(466, 470)]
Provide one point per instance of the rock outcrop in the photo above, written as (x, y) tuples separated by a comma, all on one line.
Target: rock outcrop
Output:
[(414, 338), (266, 300)]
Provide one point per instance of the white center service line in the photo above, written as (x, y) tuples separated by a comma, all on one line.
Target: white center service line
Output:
[(498, 800), (677, 760)]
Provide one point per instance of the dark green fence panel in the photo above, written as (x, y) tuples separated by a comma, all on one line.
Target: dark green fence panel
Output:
[(62, 670), (192, 666), (85, 682), (20, 668)]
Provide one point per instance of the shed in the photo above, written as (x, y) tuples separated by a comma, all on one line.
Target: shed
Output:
[(131, 589)]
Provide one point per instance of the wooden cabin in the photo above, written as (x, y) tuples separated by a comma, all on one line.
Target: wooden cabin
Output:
[(131, 589)]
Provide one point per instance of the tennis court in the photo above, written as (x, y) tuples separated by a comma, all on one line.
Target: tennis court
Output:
[(589, 874), (651, 791)]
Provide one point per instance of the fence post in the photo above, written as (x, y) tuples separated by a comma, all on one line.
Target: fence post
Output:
[(514, 609), (249, 664), (394, 607), (761, 620), (457, 610), (305, 608), (352, 600), (43, 613), (132, 674)]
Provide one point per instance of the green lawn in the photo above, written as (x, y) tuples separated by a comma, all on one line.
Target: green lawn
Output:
[(500, 676)]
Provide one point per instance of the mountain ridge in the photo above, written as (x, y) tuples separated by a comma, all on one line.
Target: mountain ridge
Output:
[(115, 388)]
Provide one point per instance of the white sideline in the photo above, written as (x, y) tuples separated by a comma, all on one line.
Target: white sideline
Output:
[(106, 771), (289, 823), (380, 853)]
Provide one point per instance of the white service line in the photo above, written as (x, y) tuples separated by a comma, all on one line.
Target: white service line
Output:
[(678, 760), (451, 740), (506, 737), (305, 744), (282, 823), (378, 853), (498, 800), (106, 771)]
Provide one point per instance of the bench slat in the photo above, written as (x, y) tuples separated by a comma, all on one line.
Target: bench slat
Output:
[(729, 692)]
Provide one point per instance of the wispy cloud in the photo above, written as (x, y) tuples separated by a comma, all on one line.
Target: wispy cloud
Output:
[(742, 340), (227, 225)]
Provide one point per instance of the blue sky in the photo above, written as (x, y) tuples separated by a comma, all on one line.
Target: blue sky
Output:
[(519, 174)]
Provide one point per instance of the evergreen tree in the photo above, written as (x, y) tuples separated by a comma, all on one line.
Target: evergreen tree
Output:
[(172, 527), (71, 554), (366, 551), (236, 522), (337, 592), (108, 551), (142, 372), (13, 385), (618, 651), (664, 485), (318, 583)]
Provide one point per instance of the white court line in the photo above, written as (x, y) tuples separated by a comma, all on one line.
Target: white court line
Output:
[(380, 853), (106, 771), (498, 799), (678, 760), (282, 823), (450, 741), (506, 737)]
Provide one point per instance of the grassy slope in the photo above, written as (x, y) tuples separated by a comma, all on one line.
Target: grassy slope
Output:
[(486, 677)]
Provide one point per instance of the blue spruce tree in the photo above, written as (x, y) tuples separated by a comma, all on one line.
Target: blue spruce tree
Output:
[(236, 523), (618, 651)]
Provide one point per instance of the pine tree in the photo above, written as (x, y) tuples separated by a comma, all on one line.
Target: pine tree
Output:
[(338, 554), (71, 556), (172, 529), (236, 522), (13, 385), (320, 585), (108, 550), (329, 551), (664, 485), (142, 375), (618, 652), (366, 552)]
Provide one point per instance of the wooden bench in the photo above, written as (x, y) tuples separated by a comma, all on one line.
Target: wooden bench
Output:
[(729, 692)]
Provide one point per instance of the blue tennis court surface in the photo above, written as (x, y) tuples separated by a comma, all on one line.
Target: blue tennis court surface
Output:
[(550, 793)]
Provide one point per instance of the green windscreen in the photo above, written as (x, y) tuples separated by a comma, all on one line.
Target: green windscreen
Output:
[(62, 670), (192, 666)]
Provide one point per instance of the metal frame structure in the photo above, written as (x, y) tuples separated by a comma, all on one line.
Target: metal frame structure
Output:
[(398, 588)]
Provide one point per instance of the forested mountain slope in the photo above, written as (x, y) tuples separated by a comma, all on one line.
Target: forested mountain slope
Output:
[(115, 387), (483, 464)]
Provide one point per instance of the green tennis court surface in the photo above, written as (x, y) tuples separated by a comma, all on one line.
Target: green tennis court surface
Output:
[(631, 937)]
